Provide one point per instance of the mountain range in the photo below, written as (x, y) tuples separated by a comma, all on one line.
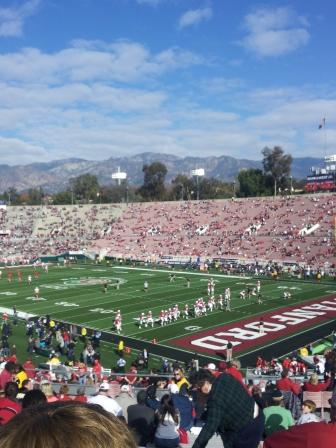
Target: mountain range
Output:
[(54, 176)]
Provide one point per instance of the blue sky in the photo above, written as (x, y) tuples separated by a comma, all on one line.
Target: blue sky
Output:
[(101, 78)]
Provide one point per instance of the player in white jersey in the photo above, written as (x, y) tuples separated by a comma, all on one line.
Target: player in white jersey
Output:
[(29, 279), (220, 302), (211, 304), (228, 303), (212, 287), (258, 286), (209, 288), (36, 292), (197, 309), (186, 311), (142, 320), (162, 318), (118, 325), (150, 320), (242, 294)]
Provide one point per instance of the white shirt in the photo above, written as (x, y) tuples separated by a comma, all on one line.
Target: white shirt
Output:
[(107, 403)]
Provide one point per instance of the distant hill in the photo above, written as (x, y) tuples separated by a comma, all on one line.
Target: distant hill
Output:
[(54, 176)]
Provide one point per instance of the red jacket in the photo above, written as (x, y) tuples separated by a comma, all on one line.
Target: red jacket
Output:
[(288, 384), (233, 371), (316, 387), (8, 409), (309, 435)]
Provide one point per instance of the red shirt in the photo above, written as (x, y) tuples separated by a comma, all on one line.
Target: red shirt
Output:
[(235, 373), (316, 387), (289, 385), (8, 409)]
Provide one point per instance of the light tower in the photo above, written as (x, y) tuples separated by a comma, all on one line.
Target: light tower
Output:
[(119, 176), (198, 172)]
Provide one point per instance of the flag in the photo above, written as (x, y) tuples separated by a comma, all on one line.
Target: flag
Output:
[(322, 124)]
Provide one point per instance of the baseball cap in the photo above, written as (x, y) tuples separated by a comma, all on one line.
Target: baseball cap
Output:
[(104, 386), (277, 395), (211, 366)]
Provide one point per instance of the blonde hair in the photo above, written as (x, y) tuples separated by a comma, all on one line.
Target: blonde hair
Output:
[(314, 379), (60, 425), (47, 389)]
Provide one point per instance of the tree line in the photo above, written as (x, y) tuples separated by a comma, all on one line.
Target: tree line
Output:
[(274, 179)]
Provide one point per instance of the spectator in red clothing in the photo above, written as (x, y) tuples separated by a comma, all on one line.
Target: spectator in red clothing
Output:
[(131, 376), (303, 436), (81, 395), (8, 374), (286, 363), (29, 368), (9, 406), (286, 384), (63, 394), (313, 385), (233, 370), (213, 370), (97, 370)]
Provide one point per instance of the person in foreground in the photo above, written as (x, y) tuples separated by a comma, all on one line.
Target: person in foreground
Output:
[(231, 412), (317, 435), (66, 424)]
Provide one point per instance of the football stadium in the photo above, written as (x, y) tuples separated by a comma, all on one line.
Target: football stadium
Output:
[(128, 291), (167, 224)]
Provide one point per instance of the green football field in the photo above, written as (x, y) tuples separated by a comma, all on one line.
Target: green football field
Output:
[(75, 294)]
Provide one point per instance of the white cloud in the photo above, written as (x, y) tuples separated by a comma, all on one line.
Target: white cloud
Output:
[(19, 152), (87, 61), (12, 19), (274, 32), (194, 17)]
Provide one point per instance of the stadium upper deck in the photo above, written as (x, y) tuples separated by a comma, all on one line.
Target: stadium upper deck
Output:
[(296, 229)]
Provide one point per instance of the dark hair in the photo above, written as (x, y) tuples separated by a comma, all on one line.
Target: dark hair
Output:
[(199, 378), (11, 389), (151, 392), (167, 407), (33, 398), (141, 397)]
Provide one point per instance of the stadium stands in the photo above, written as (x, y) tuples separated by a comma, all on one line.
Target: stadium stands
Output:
[(295, 229)]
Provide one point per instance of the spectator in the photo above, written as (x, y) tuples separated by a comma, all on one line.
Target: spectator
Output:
[(308, 413), (179, 378), (9, 405), (60, 425), (286, 384), (276, 416), (140, 419), (313, 384), (33, 398), (233, 369), (125, 398), (105, 401), (168, 423), (230, 411), (151, 399), (47, 389), (8, 374), (184, 405)]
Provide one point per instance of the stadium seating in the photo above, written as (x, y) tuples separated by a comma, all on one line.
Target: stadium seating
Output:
[(243, 229)]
